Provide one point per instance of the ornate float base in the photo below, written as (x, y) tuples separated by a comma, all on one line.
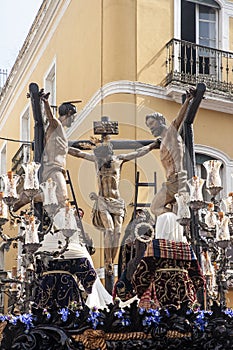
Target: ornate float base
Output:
[(116, 328)]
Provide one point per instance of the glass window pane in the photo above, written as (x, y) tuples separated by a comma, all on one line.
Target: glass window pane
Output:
[(204, 30), (207, 30), (207, 13), (207, 26)]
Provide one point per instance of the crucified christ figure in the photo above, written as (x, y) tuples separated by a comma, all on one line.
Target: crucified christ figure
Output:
[(109, 207)]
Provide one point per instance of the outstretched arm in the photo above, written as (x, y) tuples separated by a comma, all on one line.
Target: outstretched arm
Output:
[(51, 119), (80, 154), (140, 152), (182, 112)]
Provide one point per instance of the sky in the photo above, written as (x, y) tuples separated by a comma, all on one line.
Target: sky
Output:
[(16, 18)]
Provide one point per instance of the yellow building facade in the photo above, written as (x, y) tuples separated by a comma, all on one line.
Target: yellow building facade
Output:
[(124, 59)]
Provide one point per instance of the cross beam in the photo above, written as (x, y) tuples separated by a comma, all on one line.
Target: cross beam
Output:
[(117, 144), (190, 162)]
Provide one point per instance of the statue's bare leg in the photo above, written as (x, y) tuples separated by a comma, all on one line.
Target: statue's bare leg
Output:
[(108, 240), (118, 220), (24, 200), (108, 234), (61, 190)]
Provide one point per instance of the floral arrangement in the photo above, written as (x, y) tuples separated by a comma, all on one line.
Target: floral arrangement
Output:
[(165, 328)]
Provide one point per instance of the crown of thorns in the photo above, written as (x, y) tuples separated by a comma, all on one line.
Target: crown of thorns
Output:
[(103, 150)]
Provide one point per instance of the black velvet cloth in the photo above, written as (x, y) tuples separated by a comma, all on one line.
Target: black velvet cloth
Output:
[(59, 283)]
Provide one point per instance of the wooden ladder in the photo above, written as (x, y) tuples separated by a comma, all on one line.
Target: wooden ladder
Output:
[(143, 184)]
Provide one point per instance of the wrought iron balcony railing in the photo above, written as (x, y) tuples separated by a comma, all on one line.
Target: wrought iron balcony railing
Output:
[(23, 155), (189, 63)]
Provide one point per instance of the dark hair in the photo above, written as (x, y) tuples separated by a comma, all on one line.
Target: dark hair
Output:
[(156, 116), (65, 108)]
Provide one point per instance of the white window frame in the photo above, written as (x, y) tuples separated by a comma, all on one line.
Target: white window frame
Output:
[(3, 163), (25, 124), (50, 83), (198, 27), (225, 13)]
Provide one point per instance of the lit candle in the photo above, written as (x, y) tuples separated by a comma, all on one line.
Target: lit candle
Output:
[(14, 272), (220, 215), (67, 207), (210, 206), (10, 174)]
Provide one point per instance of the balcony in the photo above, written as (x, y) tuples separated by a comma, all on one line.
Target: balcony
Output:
[(189, 63)]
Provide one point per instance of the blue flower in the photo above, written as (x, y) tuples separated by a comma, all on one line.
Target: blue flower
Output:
[(201, 321), (2, 318), (12, 319), (94, 317), (120, 314), (64, 314), (229, 312), (125, 322), (167, 313), (27, 319), (152, 318), (141, 310), (189, 312)]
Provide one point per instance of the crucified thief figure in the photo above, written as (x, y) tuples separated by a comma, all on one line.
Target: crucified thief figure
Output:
[(171, 155), (109, 208), (55, 151)]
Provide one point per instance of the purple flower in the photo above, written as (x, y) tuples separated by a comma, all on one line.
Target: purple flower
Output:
[(48, 315)]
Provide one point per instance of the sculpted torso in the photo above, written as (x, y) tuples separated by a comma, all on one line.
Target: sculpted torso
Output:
[(171, 152), (56, 145), (108, 179)]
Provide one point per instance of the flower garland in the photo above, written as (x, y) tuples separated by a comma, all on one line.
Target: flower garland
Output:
[(151, 317), (160, 328)]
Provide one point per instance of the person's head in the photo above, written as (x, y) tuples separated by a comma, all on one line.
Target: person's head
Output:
[(140, 213), (104, 152), (66, 111), (81, 212), (156, 123)]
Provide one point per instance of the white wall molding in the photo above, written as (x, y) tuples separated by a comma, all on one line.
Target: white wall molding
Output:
[(171, 93)]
